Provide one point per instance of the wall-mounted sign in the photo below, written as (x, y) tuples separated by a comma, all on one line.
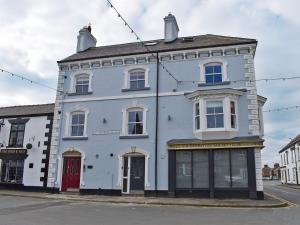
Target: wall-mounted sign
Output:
[(13, 151)]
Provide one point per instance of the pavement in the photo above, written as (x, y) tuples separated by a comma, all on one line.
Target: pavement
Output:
[(26, 210), (269, 202)]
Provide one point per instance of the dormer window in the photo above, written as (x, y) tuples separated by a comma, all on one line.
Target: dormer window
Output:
[(82, 84), (213, 73), (136, 79)]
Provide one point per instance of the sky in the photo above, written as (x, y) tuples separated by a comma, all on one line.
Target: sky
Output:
[(35, 34)]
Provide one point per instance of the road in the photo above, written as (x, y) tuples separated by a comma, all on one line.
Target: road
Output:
[(29, 211)]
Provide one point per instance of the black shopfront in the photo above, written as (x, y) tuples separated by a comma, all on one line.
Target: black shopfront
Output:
[(195, 170)]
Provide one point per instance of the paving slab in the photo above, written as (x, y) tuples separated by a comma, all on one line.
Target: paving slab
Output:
[(269, 202)]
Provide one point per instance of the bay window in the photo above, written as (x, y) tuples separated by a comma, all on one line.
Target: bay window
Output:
[(232, 114), (197, 116), (214, 114)]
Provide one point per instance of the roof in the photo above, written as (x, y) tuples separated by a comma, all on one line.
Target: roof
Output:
[(200, 41), (294, 141), (26, 110)]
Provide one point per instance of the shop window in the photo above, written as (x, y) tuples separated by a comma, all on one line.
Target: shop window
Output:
[(183, 169), (12, 171), (230, 169), (192, 169)]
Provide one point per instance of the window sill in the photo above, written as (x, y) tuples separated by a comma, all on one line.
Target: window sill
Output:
[(139, 89), (75, 138), (134, 136), (215, 84), (75, 94)]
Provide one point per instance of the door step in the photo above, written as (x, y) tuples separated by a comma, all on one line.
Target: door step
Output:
[(71, 191), (135, 194)]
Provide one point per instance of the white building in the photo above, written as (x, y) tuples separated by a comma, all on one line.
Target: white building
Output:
[(25, 138), (290, 162)]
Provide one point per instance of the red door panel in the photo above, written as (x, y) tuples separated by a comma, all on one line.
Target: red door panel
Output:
[(71, 173)]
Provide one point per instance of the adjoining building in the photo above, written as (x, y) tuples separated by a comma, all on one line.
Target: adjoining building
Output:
[(25, 138), (123, 124), (290, 162)]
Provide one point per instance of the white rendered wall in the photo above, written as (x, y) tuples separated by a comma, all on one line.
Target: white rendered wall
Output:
[(35, 130)]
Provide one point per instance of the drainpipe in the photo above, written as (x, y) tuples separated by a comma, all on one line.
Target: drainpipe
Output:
[(156, 119)]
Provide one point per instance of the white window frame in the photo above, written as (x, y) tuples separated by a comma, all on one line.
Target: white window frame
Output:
[(221, 61), (68, 125), (125, 117), (224, 115), (226, 111), (127, 75), (73, 79), (194, 114)]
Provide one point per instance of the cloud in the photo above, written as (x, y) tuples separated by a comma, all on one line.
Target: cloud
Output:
[(35, 34)]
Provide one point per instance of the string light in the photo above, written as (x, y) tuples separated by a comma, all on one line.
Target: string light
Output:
[(29, 80), (283, 109), (139, 39)]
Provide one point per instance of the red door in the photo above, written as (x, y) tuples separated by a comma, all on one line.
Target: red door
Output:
[(71, 173)]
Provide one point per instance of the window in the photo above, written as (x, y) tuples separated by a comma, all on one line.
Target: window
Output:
[(183, 169), (82, 84), (11, 171), (230, 169), (287, 157), (214, 114), (16, 135), (137, 79), (213, 73), (192, 169), (135, 122), (197, 116), (232, 114), (78, 122)]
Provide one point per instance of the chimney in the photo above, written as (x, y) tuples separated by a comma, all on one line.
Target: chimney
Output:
[(85, 39), (171, 28)]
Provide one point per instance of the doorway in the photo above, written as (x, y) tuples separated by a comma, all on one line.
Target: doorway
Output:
[(71, 173), (133, 173)]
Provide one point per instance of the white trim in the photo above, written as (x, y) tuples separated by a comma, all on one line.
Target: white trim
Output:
[(163, 94), (209, 49), (135, 67), (68, 123), (125, 111), (73, 80), (222, 61)]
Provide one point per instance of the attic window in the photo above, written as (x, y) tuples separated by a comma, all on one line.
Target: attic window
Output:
[(187, 39)]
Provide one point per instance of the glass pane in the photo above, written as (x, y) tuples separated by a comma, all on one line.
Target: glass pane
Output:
[(131, 128), (197, 111), (183, 169), (75, 119), (219, 121), (208, 69), (209, 79), (197, 123), (125, 167), (133, 85), (80, 130), (233, 121), (21, 127), (141, 83), (20, 138), (14, 127), (139, 128), (125, 185), (81, 118), (217, 69), (139, 116), (200, 169), (210, 121), (221, 169), (232, 107), (131, 116), (74, 131), (133, 77), (217, 78), (239, 168)]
